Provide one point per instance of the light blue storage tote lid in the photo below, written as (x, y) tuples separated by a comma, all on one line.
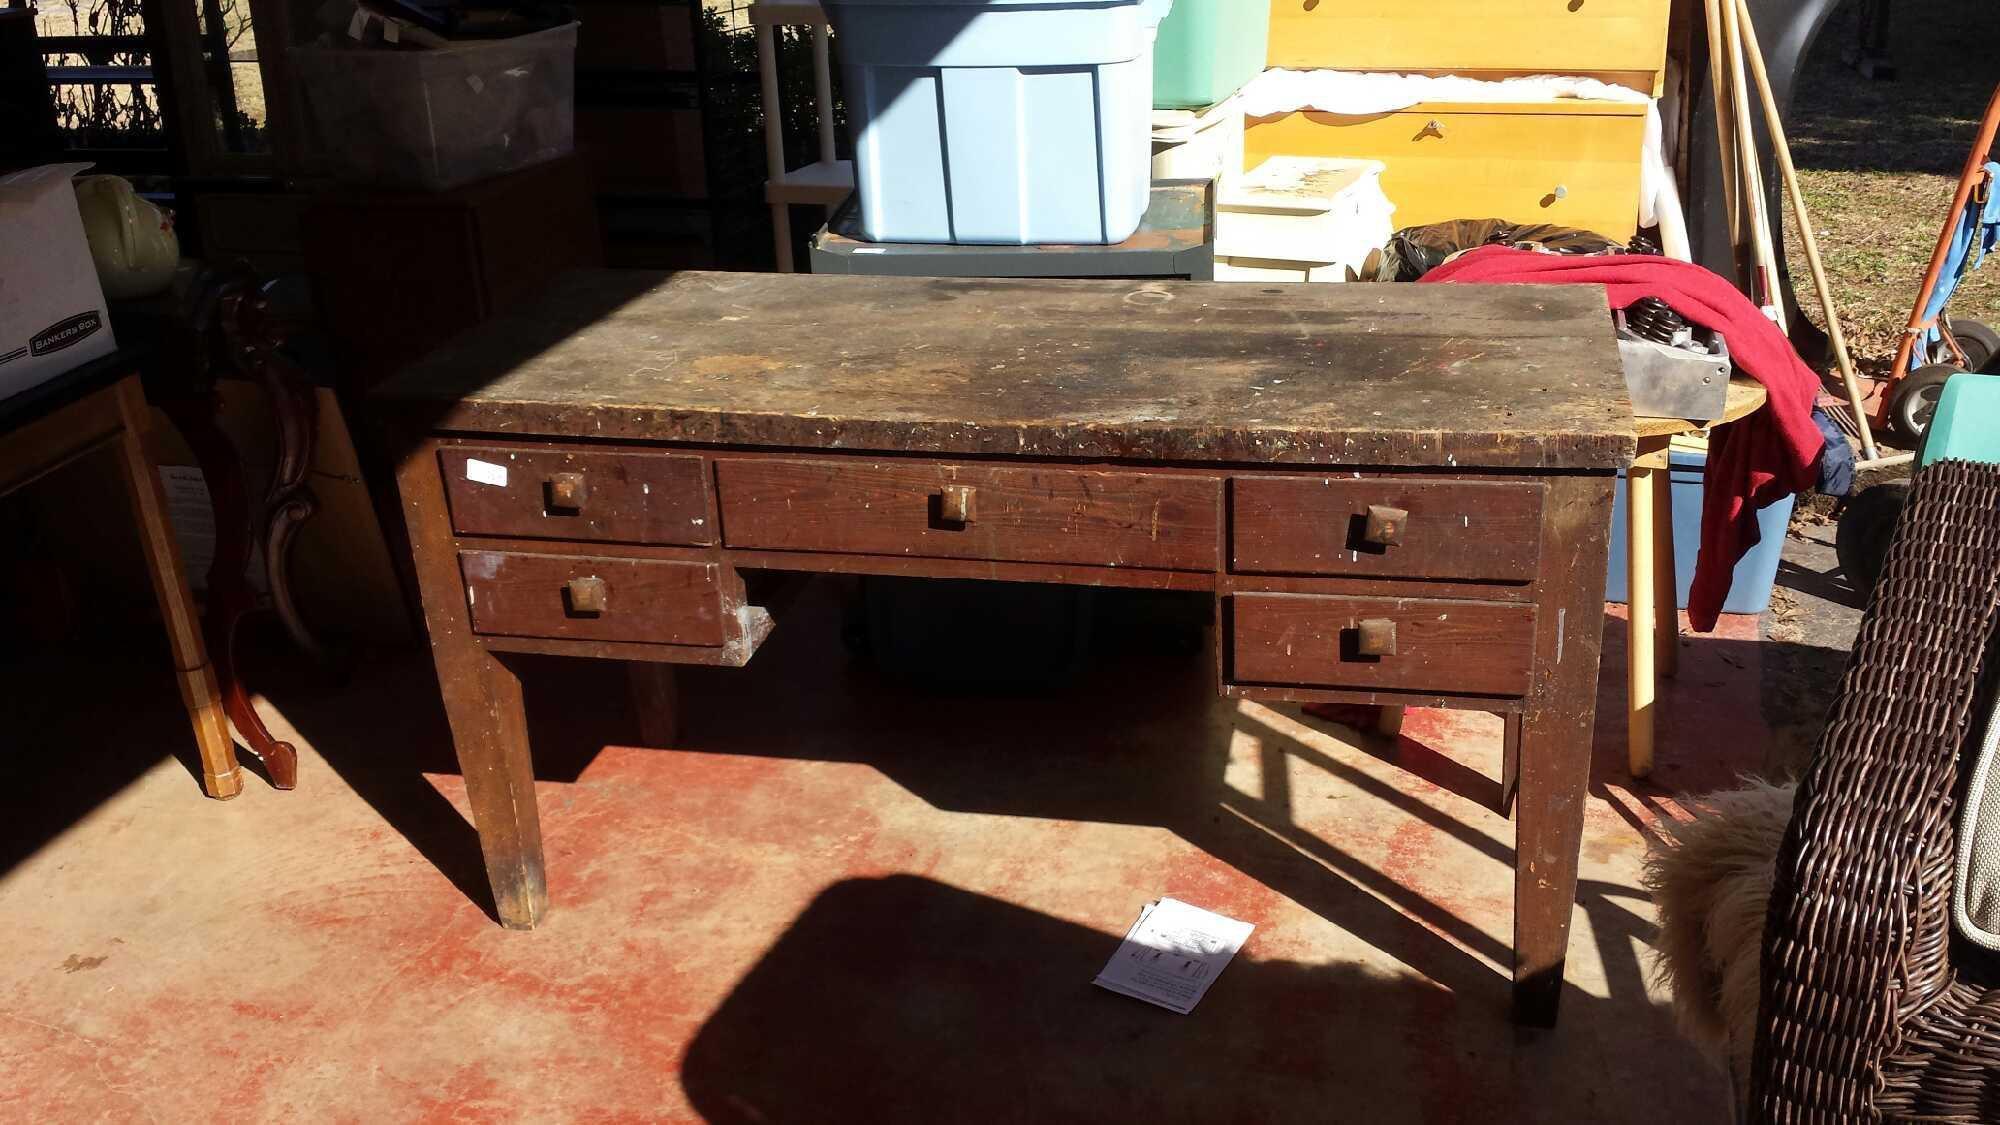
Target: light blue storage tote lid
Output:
[(1011, 33)]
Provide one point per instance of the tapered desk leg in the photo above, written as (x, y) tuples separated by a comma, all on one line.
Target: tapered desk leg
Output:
[(1554, 742), (482, 699), (656, 702)]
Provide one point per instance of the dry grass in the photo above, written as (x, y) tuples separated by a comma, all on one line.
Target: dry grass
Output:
[(1878, 162)]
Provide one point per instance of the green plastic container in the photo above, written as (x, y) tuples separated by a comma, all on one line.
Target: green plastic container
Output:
[(1207, 50), (1964, 427)]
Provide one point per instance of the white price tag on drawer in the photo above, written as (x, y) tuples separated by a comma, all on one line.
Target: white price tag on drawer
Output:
[(485, 472)]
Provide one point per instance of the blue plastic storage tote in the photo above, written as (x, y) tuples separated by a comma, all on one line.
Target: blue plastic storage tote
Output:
[(1750, 587), (999, 121)]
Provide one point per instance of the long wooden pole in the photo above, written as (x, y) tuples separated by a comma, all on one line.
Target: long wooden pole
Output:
[(1765, 284), (1725, 139), (1807, 239)]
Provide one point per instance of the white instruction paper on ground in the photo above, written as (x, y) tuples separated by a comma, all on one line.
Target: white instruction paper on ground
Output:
[(1172, 954)]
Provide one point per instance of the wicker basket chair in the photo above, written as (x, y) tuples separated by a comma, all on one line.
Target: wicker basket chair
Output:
[(1871, 1010)]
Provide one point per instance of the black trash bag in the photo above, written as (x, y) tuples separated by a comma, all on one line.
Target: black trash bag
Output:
[(1416, 251)]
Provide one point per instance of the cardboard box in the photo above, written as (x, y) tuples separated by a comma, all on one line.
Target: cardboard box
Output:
[(52, 312)]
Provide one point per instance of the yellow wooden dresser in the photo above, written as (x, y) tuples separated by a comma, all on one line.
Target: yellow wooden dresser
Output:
[(1563, 160), (1622, 41)]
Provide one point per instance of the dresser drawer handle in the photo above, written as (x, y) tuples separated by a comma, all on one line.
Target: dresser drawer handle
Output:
[(1375, 636), (955, 504), (1385, 525), (565, 492), (584, 597)]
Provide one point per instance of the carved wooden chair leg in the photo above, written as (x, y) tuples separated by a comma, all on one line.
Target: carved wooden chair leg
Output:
[(229, 596), (290, 502), (244, 317)]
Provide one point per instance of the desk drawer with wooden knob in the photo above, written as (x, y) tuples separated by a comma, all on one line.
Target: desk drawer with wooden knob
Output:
[(1386, 527), (591, 598), (596, 495), (1043, 514), (1386, 644)]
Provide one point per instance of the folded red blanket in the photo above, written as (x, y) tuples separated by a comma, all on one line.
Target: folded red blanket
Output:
[(1752, 462)]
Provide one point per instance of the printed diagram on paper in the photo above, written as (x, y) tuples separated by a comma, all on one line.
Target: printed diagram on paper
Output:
[(1172, 954)]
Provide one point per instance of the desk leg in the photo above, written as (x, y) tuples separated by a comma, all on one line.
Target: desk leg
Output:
[(1389, 720), (482, 699), (221, 777), (1554, 741), (656, 701)]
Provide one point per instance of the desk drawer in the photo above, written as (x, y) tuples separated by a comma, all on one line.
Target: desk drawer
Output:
[(1050, 514), (1456, 647), (575, 597), (593, 495), (1471, 531), (1573, 163)]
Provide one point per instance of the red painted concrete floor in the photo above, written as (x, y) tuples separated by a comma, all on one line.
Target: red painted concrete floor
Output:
[(836, 900)]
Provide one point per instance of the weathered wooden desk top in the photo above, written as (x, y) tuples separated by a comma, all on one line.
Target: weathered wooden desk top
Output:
[(612, 472), (1470, 376)]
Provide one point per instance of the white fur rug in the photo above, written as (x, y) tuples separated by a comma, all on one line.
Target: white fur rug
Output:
[(1711, 880)]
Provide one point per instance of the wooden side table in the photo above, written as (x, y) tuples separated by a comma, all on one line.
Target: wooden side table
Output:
[(1652, 587), (100, 406)]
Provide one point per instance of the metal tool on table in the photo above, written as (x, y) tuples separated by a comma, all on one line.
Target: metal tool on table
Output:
[(1673, 369)]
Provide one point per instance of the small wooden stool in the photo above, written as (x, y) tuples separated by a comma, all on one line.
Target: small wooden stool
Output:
[(1652, 588)]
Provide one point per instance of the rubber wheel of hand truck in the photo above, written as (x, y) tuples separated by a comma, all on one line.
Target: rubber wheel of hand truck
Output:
[(1861, 540), (1980, 344), (1915, 399)]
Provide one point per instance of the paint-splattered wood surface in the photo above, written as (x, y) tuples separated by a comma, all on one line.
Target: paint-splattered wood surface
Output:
[(1471, 376)]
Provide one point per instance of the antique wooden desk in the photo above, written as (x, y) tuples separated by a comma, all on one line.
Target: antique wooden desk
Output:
[(1397, 494)]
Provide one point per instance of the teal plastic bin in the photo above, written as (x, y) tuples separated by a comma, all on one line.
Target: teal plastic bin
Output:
[(1963, 427), (1207, 50)]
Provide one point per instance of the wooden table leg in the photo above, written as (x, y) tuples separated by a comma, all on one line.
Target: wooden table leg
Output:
[(1554, 742), (1666, 580), (221, 777), (656, 702), (1641, 592), (482, 700), (489, 728)]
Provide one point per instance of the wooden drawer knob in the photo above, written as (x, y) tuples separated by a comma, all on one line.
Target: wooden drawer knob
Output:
[(585, 596), (1385, 525), (566, 492), (1376, 636), (955, 504)]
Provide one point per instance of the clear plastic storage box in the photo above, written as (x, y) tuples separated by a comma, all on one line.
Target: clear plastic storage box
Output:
[(999, 121), (433, 119)]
